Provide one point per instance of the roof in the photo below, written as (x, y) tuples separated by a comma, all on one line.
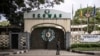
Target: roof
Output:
[(78, 26)]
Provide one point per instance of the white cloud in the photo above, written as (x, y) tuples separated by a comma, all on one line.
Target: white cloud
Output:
[(2, 18)]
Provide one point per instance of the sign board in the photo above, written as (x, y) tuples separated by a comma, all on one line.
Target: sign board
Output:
[(90, 38), (47, 13)]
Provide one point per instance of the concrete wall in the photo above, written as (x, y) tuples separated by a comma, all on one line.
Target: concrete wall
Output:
[(4, 41), (29, 23)]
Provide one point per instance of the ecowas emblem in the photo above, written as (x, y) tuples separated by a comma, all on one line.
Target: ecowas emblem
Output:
[(47, 11), (48, 35)]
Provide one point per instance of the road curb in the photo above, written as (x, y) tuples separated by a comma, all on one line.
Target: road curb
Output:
[(14, 52), (82, 52), (20, 52)]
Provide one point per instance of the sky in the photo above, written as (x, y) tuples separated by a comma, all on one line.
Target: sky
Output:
[(67, 5), (2, 18)]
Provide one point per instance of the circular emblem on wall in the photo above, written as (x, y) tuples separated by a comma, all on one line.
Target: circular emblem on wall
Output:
[(47, 11), (48, 35)]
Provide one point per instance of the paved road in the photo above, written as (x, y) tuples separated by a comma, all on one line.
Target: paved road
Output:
[(50, 53)]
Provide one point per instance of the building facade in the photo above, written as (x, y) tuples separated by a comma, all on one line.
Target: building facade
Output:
[(46, 27), (42, 29), (77, 31)]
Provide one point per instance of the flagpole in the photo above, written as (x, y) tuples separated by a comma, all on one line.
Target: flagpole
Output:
[(94, 14), (94, 23), (87, 19), (81, 15), (87, 15), (87, 24)]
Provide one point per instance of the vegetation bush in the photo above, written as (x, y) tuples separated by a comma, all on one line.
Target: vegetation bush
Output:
[(85, 45)]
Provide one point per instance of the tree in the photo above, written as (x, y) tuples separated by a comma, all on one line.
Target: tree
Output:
[(14, 9), (90, 10), (83, 20), (98, 15), (84, 11)]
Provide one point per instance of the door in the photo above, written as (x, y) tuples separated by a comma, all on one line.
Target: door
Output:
[(46, 38), (14, 41)]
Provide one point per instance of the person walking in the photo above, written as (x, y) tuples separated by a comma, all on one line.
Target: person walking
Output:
[(58, 48)]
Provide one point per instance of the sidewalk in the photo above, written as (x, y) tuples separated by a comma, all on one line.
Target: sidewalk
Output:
[(43, 52), (11, 52), (46, 52)]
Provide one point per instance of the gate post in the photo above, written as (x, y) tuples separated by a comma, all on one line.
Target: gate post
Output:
[(28, 40), (67, 42), (24, 40), (10, 40)]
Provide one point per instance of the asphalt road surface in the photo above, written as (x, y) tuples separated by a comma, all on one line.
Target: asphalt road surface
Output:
[(50, 53)]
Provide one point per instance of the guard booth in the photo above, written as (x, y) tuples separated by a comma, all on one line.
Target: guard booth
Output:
[(19, 40), (46, 27)]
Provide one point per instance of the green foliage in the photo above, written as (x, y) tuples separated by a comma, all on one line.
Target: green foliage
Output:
[(85, 45), (10, 7), (41, 1), (87, 49), (91, 28), (98, 16), (20, 3), (91, 18), (83, 20), (84, 11), (4, 23), (75, 22)]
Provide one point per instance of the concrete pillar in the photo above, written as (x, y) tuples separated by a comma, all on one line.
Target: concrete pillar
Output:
[(67, 37), (28, 41)]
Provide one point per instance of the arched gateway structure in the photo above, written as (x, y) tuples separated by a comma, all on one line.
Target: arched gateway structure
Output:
[(46, 27)]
